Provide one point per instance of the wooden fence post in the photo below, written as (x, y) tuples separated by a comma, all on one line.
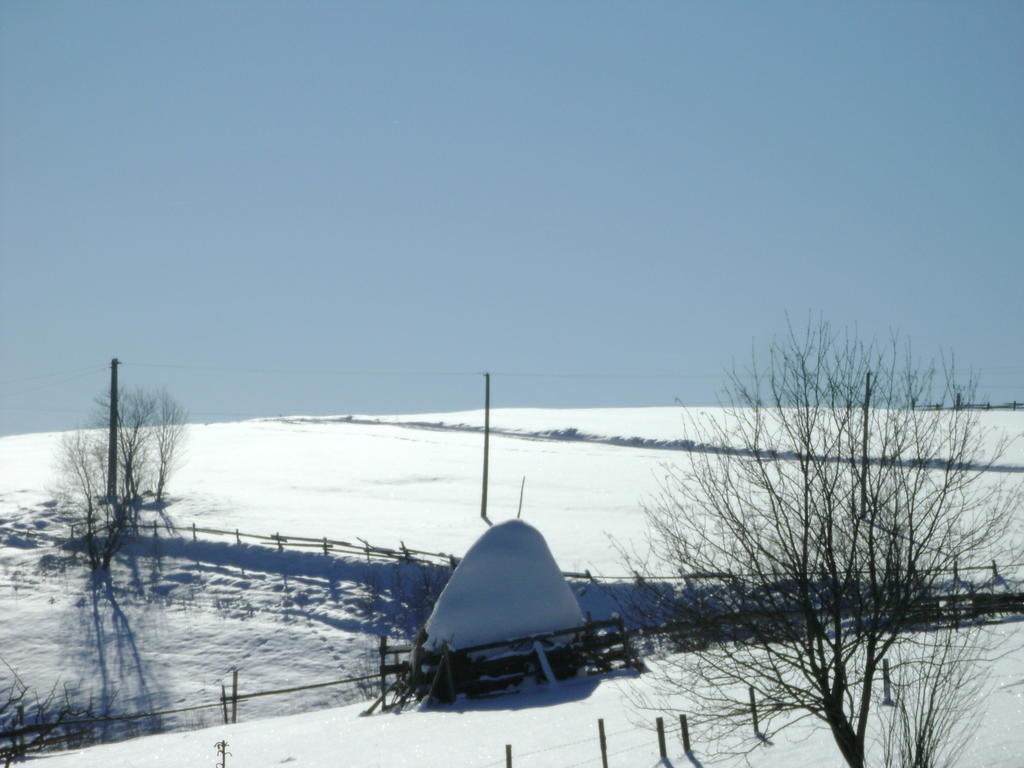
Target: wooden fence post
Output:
[(886, 684), (234, 695), (224, 702), (193, 531), (383, 658), (661, 738), (508, 756), (753, 710), (684, 728), (155, 534), (280, 546), (603, 742), (238, 537), (326, 548)]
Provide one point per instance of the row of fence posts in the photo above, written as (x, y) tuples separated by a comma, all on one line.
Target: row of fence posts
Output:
[(684, 726), (684, 730)]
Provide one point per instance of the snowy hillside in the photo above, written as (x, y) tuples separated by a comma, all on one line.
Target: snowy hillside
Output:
[(179, 614)]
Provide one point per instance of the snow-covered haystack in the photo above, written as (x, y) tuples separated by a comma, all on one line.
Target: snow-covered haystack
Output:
[(507, 586), (507, 615)]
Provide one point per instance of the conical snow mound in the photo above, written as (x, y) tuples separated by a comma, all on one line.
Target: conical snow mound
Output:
[(507, 586)]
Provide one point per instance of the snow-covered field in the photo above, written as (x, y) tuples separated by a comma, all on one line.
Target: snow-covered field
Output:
[(179, 615)]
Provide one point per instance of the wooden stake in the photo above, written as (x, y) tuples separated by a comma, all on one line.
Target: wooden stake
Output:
[(383, 659), (661, 738), (753, 710), (886, 685), (234, 696), (508, 756), (684, 728), (604, 743), (224, 702)]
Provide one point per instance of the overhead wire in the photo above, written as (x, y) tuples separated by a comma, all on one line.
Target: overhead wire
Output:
[(67, 378)]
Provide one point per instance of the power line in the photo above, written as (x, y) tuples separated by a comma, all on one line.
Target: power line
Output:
[(57, 383), (399, 373), (301, 371), (91, 369)]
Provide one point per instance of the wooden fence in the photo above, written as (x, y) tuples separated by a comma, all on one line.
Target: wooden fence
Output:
[(25, 737), (479, 670), (323, 544), (959, 405)]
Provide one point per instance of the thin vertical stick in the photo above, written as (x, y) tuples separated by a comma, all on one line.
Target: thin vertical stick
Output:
[(684, 728), (661, 738), (224, 702), (508, 756), (886, 685), (603, 741), (383, 659), (234, 695), (522, 488), (753, 710)]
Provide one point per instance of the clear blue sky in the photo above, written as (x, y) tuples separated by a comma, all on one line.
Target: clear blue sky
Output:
[(221, 192)]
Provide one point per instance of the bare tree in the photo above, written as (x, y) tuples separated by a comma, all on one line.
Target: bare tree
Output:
[(816, 514), (150, 434), (136, 415), (938, 687), (82, 477), (169, 433)]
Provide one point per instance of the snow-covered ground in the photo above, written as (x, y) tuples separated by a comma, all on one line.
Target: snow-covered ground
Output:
[(179, 615)]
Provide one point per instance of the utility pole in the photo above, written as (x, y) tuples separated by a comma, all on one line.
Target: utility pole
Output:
[(487, 441), (112, 440)]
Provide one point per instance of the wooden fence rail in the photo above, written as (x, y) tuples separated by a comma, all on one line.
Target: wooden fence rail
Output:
[(407, 554)]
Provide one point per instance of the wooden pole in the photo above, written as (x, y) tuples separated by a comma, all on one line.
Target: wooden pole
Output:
[(224, 702), (603, 741), (508, 756), (753, 710), (886, 685), (522, 488), (487, 442), (661, 738), (112, 438), (234, 695), (684, 728), (383, 659)]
